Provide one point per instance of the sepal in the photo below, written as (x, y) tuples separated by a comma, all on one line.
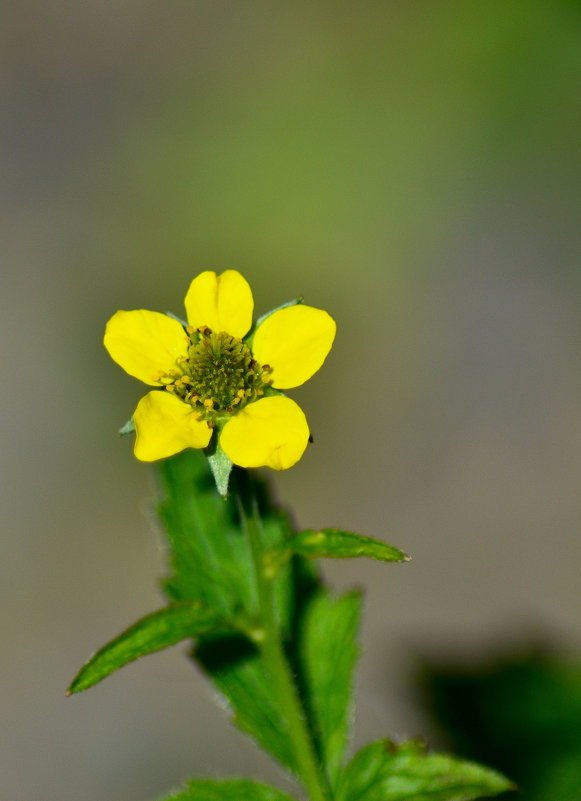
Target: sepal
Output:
[(127, 428), (221, 467)]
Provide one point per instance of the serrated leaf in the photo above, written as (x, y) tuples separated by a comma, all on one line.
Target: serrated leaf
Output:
[(329, 651), (239, 671), (241, 675), (210, 555), (386, 771), (333, 542), (230, 790), (152, 633), (211, 560)]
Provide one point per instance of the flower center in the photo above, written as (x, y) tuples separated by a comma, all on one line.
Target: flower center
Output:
[(218, 376)]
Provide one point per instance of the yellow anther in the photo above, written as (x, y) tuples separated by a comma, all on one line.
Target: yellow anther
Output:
[(190, 329), (170, 387), (209, 403), (240, 394)]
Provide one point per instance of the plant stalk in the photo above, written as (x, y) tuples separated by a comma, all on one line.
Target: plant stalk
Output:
[(308, 765)]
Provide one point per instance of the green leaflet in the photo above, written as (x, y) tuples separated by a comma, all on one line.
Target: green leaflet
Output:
[(232, 790), (152, 633), (237, 668), (386, 771), (332, 542), (210, 557), (329, 652), (211, 560)]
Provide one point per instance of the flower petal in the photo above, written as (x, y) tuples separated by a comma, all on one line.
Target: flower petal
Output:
[(165, 425), (295, 342), (144, 343), (220, 302), (272, 431)]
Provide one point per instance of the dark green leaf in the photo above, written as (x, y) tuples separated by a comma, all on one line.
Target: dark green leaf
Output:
[(386, 771), (329, 651), (332, 542), (152, 633), (211, 560), (240, 673), (210, 556), (520, 711), (231, 790)]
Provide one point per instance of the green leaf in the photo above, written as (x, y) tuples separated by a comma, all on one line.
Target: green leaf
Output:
[(152, 633), (210, 555), (519, 711), (329, 652), (231, 790), (211, 560), (386, 771), (241, 675), (332, 542)]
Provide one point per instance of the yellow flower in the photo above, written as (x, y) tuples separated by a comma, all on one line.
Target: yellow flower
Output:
[(217, 376)]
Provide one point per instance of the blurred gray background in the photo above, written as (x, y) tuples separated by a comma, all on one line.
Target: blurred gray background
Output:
[(413, 167)]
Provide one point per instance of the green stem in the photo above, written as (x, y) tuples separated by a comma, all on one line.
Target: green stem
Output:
[(278, 666)]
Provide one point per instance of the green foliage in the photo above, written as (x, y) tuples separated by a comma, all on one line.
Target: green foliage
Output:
[(209, 553), (329, 652), (211, 559), (158, 630), (520, 713), (332, 542), (386, 771), (233, 790), (239, 670), (280, 648)]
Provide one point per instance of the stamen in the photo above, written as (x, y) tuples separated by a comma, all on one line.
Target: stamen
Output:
[(218, 374)]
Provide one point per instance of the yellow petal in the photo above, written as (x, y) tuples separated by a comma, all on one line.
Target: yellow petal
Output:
[(165, 425), (272, 431), (220, 302), (144, 343), (295, 342)]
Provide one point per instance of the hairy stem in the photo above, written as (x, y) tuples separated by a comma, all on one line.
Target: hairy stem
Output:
[(308, 765)]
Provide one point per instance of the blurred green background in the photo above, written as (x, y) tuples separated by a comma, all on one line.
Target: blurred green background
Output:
[(414, 168)]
